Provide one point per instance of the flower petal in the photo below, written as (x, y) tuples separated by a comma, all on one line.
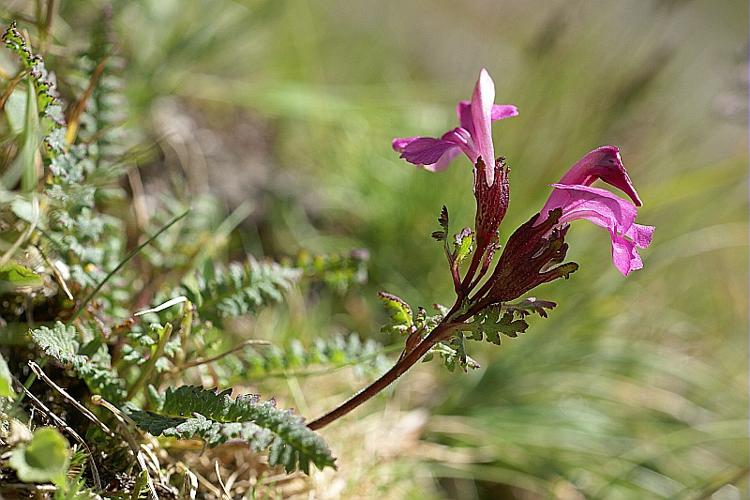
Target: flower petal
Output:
[(602, 163), (444, 160), (499, 112), (502, 111), (624, 255), (641, 235), (422, 150), (596, 205), (606, 210), (399, 143), (462, 138), (463, 110), (481, 118)]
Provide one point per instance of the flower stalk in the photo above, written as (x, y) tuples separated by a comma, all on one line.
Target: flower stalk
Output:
[(439, 333)]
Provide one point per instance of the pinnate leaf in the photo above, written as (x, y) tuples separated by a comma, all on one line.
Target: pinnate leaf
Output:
[(194, 412), (61, 343), (240, 288)]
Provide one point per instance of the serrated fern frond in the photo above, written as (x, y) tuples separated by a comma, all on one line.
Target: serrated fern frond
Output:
[(61, 343), (46, 91), (240, 288), (337, 352), (338, 272), (87, 241), (194, 412)]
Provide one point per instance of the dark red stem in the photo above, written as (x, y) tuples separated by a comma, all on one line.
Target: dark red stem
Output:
[(439, 333), (465, 285)]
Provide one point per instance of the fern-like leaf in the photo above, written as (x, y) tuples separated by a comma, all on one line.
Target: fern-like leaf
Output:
[(337, 272), (189, 412), (44, 86), (239, 289), (61, 343), (325, 354)]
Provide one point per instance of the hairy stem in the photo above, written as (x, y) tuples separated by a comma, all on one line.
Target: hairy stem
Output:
[(439, 333)]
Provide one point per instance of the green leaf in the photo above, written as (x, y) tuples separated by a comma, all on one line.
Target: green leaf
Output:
[(337, 272), (454, 354), (493, 322), (239, 289), (337, 351), (15, 110), (189, 412), (61, 342), (6, 382), (44, 459), (13, 276), (24, 164), (464, 241), (24, 209), (401, 316)]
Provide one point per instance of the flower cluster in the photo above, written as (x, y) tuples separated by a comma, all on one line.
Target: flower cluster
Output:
[(534, 249)]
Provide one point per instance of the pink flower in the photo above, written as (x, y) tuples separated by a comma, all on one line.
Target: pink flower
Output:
[(578, 200), (473, 137)]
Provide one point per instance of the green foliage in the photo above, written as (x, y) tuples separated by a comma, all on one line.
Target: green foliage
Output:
[(492, 322), (44, 459), (71, 225), (400, 313), (187, 412), (623, 395), (61, 343), (44, 86), (338, 272), (76, 271), (327, 354), (238, 289), (13, 276), (6, 381), (453, 353), (530, 305), (463, 244)]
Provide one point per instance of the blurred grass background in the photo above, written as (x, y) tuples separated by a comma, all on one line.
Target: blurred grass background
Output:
[(633, 388)]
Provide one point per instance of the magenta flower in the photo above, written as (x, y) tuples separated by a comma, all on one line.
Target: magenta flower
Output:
[(578, 200), (473, 137)]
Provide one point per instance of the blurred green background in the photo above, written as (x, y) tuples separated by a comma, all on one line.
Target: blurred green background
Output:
[(633, 388)]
